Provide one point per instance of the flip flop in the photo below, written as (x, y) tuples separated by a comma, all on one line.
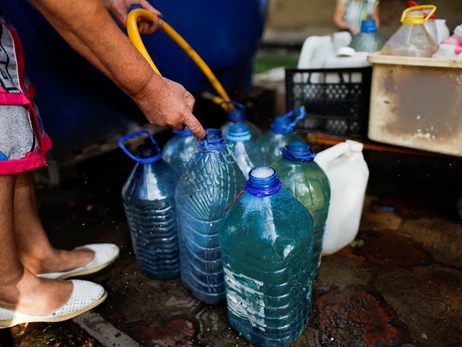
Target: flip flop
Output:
[(105, 255), (85, 296)]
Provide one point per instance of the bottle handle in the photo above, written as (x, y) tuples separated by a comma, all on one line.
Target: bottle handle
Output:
[(135, 158), (325, 157), (302, 113), (417, 8)]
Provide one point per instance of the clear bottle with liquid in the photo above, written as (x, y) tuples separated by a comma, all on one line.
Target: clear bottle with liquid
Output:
[(281, 133), (267, 241), (303, 178), (148, 199), (368, 40), (208, 185), (179, 149), (412, 39), (243, 149)]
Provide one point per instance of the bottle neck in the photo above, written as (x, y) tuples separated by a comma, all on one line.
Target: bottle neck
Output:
[(213, 141), (263, 182), (298, 152)]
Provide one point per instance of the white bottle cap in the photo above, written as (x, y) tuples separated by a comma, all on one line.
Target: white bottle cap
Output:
[(354, 146)]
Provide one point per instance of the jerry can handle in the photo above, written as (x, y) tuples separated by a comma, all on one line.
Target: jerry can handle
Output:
[(417, 8), (135, 158), (301, 113)]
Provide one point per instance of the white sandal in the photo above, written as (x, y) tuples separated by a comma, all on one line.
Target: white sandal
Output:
[(105, 255), (85, 296)]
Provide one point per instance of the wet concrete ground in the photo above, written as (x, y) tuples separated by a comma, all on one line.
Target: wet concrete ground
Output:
[(400, 285)]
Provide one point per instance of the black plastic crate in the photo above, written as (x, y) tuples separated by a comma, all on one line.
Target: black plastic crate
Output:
[(336, 100)]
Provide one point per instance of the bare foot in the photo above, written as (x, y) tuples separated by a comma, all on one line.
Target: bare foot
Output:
[(55, 260), (34, 296)]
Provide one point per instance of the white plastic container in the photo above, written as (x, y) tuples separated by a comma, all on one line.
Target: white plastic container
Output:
[(348, 175), (442, 30), (446, 51)]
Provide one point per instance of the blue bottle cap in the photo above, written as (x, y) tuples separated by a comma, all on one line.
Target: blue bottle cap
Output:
[(185, 132), (263, 182), (368, 26), (237, 115), (239, 133), (212, 141), (298, 151), (281, 125)]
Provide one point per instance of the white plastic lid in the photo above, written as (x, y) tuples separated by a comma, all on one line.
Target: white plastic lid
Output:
[(354, 146), (345, 52), (448, 49)]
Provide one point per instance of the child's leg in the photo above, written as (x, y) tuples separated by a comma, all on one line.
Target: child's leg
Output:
[(20, 290), (35, 251)]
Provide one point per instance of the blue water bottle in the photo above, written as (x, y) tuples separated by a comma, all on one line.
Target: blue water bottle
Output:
[(244, 150), (179, 149), (238, 116), (148, 198), (303, 178), (207, 186), (280, 134), (266, 243)]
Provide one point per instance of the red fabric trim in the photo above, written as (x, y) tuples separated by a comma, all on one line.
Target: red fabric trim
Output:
[(30, 162), (13, 99)]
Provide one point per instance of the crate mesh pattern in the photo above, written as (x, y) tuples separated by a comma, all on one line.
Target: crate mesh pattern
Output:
[(336, 100)]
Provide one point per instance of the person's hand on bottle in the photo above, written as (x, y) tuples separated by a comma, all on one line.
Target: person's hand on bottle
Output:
[(119, 9), (167, 103)]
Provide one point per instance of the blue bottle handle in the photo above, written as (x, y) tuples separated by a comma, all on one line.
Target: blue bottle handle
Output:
[(302, 113), (135, 158)]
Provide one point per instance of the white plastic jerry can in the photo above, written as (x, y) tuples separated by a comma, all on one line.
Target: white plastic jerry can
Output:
[(348, 174)]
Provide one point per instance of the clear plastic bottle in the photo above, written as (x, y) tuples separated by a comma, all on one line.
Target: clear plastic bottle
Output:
[(303, 178), (238, 116), (266, 244), (179, 149), (280, 134), (148, 198), (412, 39), (244, 150), (368, 40), (208, 185)]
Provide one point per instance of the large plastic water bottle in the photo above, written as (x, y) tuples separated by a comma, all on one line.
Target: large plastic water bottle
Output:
[(348, 174), (244, 150), (368, 40), (238, 116), (280, 134), (266, 245), (148, 198), (302, 177), (179, 149), (209, 183)]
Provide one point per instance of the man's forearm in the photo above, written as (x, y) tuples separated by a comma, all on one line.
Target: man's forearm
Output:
[(89, 29)]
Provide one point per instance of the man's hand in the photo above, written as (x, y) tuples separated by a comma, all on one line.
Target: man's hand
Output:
[(165, 102), (119, 9)]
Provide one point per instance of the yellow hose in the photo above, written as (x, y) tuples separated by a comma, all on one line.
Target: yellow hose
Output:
[(135, 38)]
